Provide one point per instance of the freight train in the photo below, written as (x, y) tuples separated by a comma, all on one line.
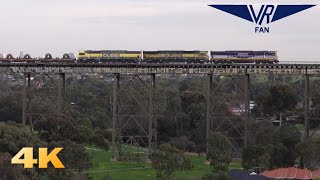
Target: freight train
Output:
[(164, 56)]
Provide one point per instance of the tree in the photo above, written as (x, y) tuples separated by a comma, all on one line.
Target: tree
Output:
[(7, 171), (56, 128), (280, 144), (101, 142), (277, 99), (10, 106), (13, 137), (219, 151), (62, 128), (309, 151), (168, 160), (289, 136), (256, 127), (74, 157), (255, 156), (183, 143)]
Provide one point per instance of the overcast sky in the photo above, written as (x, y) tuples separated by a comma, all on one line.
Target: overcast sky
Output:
[(59, 26)]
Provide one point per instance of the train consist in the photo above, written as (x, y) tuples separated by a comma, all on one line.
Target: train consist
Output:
[(124, 56)]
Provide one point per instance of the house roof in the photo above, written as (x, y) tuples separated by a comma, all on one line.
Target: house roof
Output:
[(288, 173), (316, 174)]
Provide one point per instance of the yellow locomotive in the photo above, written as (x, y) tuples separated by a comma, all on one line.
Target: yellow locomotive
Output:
[(109, 56), (175, 56)]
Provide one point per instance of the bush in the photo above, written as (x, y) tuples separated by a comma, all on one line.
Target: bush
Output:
[(183, 143), (255, 156), (107, 134), (218, 175), (219, 151), (168, 160), (101, 142)]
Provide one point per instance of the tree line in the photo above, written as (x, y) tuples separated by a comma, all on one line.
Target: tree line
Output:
[(87, 121)]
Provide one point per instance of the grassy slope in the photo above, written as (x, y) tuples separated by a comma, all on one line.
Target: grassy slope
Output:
[(132, 170)]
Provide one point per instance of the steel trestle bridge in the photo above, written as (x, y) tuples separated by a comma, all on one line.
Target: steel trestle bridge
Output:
[(147, 121)]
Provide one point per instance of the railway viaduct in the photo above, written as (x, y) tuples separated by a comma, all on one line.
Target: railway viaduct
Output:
[(149, 71)]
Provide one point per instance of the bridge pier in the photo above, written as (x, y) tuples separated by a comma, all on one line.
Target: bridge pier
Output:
[(306, 107), (29, 87), (26, 100), (61, 92), (219, 116), (140, 116), (152, 143), (246, 118), (209, 106), (115, 120), (311, 115)]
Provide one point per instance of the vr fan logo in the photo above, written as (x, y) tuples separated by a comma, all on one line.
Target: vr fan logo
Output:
[(266, 13)]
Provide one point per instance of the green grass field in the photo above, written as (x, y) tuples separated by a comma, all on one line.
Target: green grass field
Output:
[(300, 127), (101, 167)]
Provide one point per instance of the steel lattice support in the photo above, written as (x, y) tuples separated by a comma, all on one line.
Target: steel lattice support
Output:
[(311, 108), (306, 107), (209, 117), (152, 118), (246, 118), (61, 92), (26, 99), (29, 90), (134, 119), (115, 119), (219, 117)]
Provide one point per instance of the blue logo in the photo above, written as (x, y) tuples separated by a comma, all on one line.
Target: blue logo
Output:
[(265, 15)]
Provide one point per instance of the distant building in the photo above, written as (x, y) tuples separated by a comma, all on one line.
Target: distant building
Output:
[(72, 56), (21, 54), (241, 109)]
